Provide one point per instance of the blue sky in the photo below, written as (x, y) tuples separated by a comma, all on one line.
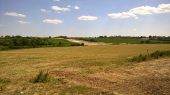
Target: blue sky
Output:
[(82, 18)]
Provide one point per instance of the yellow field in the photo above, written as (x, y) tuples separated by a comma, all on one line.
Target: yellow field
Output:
[(73, 70)]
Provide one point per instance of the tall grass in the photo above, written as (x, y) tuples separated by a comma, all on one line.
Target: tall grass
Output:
[(154, 55), (41, 77)]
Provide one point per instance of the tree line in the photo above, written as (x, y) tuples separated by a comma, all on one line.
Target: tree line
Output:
[(15, 42)]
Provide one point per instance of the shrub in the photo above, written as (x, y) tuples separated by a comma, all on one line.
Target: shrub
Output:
[(41, 77), (82, 44), (166, 53), (156, 54), (139, 58), (75, 44)]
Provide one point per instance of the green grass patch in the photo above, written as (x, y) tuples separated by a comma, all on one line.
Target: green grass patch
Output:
[(154, 55), (115, 40), (128, 40)]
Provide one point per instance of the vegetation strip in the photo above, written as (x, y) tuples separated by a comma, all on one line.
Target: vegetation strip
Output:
[(18, 42), (154, 55), (129, 40)]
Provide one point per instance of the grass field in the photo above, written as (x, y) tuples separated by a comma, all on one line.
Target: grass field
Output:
[(127, 40), (72, 70), (115, 40)]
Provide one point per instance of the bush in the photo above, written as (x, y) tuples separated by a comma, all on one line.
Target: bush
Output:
[(75, 44), (156, 54), (82, 44), (41, 77)]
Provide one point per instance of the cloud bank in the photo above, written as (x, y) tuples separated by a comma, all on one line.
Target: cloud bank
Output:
[(142, 10)]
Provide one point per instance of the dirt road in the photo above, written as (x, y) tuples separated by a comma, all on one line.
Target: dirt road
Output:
[(87, 43)]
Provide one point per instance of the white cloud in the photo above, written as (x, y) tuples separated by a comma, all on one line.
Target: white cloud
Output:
[(76, 7), (23, 22), (87, 18), (142, 10), (57, 0), (69, 6), (122, 15), (164, 7), (44, 10), (57, 8), (15, 14), (145, 10), (52, 21)]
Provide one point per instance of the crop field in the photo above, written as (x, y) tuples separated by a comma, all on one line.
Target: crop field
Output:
[(85, 70)]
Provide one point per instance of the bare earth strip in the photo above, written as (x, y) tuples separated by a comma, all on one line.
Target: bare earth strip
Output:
[(146, 78)]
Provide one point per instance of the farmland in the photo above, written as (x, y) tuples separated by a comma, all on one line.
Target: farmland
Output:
[(129, 40), (84, 70), (84, 47)]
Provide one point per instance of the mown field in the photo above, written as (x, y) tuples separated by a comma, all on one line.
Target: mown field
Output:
[(88, 70)]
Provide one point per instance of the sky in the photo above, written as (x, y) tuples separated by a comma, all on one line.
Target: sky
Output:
[(85, 18)]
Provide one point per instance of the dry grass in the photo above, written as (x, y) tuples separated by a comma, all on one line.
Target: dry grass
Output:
[(69, 67)]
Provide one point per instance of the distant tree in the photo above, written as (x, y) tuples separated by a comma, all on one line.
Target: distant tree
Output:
[(150, 37), (59, 43), (7, 36), (82, 44), (101, 37)]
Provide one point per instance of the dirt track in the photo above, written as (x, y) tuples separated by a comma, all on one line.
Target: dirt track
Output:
[(87, 43), (146, 78)]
